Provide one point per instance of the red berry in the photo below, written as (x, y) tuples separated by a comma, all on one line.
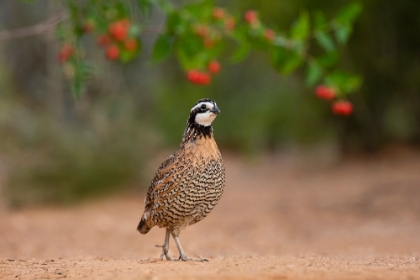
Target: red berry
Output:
[(201, 30), (325, 92), (214, 66), (205, 79), (208, 43), (119, 30), (65, 53), (103, 40), (130, 44), (193, 76), (218, 13), (198, 78), (230, 23), (269, 34), (112, 52), (251, 16), (342, 107), (89, 26)]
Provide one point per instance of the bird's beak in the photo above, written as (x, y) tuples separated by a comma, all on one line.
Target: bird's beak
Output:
[(215, 110)]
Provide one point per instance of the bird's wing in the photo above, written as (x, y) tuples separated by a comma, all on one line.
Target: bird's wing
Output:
[(162, 178), (168, 176)]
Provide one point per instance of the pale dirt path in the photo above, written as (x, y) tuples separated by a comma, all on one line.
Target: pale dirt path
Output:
[(284, 267), (277, 220)]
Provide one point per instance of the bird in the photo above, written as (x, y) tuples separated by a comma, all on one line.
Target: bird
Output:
[(188, 184)]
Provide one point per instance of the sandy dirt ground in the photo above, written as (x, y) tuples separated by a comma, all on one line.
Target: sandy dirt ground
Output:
[(278, 219)]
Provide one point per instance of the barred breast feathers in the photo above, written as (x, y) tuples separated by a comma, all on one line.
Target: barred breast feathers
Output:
[(205, 148), (190, 153)]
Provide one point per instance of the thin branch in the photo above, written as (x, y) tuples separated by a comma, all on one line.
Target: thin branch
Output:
[(43, 27)]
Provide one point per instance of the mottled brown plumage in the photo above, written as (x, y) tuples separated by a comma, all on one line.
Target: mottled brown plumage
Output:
[(189, 183)]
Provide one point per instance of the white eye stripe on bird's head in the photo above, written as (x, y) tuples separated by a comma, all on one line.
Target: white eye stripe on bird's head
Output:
[(205, 105), (204, 112), (202, 107)]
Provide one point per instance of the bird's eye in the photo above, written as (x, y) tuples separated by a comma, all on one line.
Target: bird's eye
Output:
[(203, 107)]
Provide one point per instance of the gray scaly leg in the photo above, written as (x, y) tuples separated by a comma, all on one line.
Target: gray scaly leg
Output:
[(182, 255), (165, 247)]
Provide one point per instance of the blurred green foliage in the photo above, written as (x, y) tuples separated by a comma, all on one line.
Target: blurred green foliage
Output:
[(52, 142), (54, 161), (196, 33)]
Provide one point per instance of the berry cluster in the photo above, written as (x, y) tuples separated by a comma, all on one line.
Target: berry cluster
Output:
[(202, 77), (117, 39), (339, 107), (120, 42), (219, 14), (210, 36), (198, 77)]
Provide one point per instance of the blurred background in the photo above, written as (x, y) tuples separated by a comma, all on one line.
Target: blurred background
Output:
[(55, 149)]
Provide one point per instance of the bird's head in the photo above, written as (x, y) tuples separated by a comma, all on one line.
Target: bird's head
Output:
[(204, 112)]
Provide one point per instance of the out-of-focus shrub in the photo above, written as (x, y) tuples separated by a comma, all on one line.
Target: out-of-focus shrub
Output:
[(57, 161)]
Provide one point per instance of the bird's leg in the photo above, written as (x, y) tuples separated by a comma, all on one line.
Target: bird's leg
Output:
[(182, 255), (165, 247)]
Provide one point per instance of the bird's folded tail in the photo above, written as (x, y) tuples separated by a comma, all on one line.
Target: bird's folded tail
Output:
[(144, 224)]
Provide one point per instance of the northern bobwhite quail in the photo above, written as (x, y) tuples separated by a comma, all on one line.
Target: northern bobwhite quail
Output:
[(187, 185)]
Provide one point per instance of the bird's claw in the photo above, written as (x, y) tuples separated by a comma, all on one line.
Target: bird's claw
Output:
[(164, 252), (185, 258)]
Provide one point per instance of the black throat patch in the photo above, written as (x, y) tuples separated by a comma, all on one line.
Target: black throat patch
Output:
[(194, 130)]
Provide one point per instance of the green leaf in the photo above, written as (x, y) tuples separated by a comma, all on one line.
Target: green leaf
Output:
[(291, 64), (342, 33), (300, 28), (162, 47), (77, 82), (76, 89), (145, 6), (345, 82), (258, 42), (328, 59), (174, 23), (285, 61), (325, 41), (189, 44), (320, 21), (122, 9), (349, 13), (190, 52), (313, 74), (200, 9), (241, 53)]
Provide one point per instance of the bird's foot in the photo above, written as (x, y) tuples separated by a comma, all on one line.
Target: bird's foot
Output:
[(185, 258), (165, 252)]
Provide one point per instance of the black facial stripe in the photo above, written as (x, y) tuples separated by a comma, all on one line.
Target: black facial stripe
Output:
[(198, 110)]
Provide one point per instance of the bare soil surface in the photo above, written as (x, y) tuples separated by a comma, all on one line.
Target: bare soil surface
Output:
[(278, 219)]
